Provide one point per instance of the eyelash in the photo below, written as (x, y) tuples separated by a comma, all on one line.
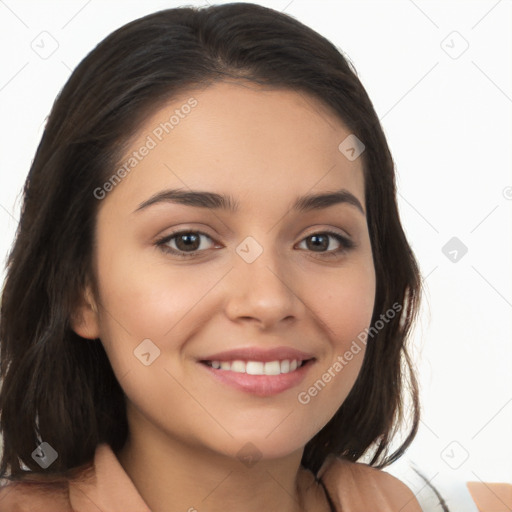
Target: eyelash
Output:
[(346, 244)]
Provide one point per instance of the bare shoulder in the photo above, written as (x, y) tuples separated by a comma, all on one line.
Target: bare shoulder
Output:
[(400, 495), (361, 485)]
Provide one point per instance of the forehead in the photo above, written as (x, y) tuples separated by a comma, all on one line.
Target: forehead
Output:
[(241, 138)]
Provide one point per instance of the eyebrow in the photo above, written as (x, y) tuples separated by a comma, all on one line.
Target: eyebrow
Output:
[(212, 200)]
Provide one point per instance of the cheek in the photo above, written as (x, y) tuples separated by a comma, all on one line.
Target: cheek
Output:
[(142, 301), (345, 303), (148, 313), (344, 306)]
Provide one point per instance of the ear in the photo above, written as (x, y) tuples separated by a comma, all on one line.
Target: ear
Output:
[(85, 319)]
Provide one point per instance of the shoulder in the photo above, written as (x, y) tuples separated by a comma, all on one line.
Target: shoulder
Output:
[(31, 496), (360, 485)]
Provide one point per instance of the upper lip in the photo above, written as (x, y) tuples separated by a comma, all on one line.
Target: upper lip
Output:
[(259, 354)]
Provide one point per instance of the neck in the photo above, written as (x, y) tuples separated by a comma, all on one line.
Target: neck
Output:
[(167, 471)]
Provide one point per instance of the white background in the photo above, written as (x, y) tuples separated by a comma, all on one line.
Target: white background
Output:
[(448, 123)]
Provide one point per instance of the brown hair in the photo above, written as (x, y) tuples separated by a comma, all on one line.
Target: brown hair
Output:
[(59, 389)]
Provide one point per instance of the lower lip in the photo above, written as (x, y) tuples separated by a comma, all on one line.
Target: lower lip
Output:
[(261, 385)]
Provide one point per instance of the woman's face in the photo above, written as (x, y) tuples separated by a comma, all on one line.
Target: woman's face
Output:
[(263, 277)]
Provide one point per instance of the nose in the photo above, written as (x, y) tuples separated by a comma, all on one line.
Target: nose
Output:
[(265, 291)]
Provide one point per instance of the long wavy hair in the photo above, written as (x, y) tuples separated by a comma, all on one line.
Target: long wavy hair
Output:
[(60, 388)]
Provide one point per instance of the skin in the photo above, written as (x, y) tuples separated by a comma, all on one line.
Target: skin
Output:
[(265, 147)]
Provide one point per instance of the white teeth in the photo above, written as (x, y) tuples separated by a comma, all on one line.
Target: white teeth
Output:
[(255, 368), (272, 368), (258, 367), (238, 366)]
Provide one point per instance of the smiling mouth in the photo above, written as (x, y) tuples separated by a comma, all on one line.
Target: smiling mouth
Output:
[(259, 378), (269, 368)]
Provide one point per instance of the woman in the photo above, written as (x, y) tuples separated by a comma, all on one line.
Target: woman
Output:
[(209, 296)]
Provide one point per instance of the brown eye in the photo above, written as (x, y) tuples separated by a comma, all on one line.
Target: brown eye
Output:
[(320, 243), (187, 243)]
